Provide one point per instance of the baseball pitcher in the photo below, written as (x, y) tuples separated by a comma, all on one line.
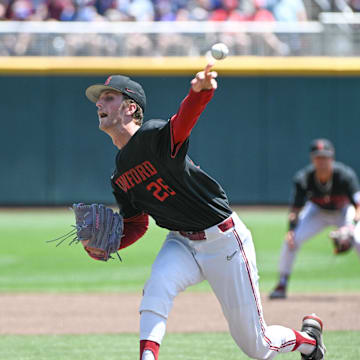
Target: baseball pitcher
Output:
[(206, 240)]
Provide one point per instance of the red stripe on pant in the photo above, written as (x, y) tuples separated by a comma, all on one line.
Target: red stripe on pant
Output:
[(272, 347)]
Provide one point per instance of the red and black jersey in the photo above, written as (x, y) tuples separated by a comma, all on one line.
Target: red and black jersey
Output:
[(333, 195), (155, 177)]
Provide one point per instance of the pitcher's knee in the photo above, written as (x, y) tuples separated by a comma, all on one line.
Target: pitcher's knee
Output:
[(259, 353), (256, 347), (157, 305), (158, 296)]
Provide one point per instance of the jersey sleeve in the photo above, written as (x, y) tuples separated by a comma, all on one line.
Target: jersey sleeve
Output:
[(185, 119), (169, 140), (299, 191), (134, 229)]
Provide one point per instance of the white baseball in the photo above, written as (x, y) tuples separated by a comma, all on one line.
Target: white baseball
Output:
[(219, 51)]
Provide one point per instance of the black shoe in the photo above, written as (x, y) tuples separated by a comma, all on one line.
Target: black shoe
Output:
[(313, 326), (278, 293)]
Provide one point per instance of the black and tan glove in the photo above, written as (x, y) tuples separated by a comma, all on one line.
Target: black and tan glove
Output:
[(98, 228)]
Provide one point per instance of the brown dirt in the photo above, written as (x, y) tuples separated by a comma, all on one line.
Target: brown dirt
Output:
[(192, 312)]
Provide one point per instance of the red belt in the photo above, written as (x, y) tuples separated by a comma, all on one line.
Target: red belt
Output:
[(200, 235)]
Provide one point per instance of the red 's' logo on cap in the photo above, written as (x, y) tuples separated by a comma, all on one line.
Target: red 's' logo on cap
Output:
[(107, 80), (129, 90), (320, 145)]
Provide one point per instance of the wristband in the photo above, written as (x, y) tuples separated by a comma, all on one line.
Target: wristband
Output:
[(292, 224)]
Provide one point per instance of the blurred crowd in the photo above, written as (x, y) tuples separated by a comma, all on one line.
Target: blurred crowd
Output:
[(141, 44), (169, 10)]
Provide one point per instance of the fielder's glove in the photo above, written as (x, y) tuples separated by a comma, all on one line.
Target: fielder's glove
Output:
[(98, 228), (342, 238)]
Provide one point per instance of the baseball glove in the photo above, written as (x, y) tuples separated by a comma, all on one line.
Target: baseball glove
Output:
[(342, 239), (98, 228)]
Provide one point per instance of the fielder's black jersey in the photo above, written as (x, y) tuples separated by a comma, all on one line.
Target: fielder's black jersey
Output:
[(169, 187), (333, 195)]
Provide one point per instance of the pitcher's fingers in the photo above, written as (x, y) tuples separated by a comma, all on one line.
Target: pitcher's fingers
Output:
[(214, 84), (200, 75), (211, 75), (208, 67)]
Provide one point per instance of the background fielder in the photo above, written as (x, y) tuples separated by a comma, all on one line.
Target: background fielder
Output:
[(325, 193), (207, 241)]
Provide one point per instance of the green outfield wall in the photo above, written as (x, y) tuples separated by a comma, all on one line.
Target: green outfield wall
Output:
[(252, 137)]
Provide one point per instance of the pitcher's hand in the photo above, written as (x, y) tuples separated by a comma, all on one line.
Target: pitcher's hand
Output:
[(204, 80)]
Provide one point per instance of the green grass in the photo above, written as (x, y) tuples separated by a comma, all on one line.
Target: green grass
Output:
[(28, 263), (341, 345)]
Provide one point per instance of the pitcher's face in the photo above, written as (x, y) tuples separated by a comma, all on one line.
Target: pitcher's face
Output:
[(109, 109)]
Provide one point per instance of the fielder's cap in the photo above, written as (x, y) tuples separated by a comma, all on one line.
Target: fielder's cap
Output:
[(121, 84), (322, 147)]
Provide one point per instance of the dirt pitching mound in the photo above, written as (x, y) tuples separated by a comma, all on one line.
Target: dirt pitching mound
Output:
[(192, 312)]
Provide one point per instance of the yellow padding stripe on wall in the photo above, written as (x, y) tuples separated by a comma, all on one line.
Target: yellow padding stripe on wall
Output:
[(233, 65)]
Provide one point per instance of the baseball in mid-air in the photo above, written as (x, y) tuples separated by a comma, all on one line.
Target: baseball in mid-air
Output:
[(219, 51)]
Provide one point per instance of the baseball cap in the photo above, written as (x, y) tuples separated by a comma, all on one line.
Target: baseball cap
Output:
[(119, 83), (322, 147)]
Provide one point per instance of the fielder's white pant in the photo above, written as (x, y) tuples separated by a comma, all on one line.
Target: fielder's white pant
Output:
[(227, 261), (312, 220), (357, 238)]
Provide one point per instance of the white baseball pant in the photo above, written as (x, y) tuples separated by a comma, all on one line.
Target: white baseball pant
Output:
[(357, 238), (312, 220), (227, 261)]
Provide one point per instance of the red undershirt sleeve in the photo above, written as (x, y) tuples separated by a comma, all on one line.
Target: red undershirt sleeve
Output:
[(134, 228), (185, 119)]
